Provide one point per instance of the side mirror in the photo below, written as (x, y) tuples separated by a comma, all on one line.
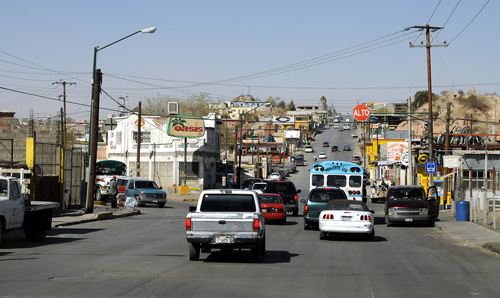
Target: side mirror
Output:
[(299, 191), (372, 211), (192, 208), (303, 201)]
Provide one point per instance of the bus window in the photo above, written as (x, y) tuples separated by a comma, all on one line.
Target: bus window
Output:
[(355, 181), (336, 180), (317, 180)]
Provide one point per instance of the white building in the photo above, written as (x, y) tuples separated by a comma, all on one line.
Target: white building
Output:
[(162, 156)]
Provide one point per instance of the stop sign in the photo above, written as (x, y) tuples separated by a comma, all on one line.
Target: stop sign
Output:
[(361, 112)]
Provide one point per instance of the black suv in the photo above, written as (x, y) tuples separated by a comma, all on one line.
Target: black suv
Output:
[(288, 192)]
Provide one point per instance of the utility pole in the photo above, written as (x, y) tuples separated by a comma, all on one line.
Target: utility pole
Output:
[(410, 147), (138, 162), (429, 84), (93, 142), (64, 83)]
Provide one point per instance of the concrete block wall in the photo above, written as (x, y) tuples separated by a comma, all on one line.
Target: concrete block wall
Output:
[(19, 136)]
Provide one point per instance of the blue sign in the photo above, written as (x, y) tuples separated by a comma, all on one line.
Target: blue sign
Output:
[(431, 167)]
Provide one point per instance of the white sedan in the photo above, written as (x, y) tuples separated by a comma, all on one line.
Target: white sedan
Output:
[(275, 176), (322, 155), (347, 217)]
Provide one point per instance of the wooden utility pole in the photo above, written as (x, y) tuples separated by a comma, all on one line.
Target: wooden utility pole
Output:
[(446, 146), (64, 83), (138, 162), (93, 142), (429, 85)]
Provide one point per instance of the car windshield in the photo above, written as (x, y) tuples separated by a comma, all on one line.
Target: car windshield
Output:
[(145, 184), (269, 199), (406, 195), (347, 206), (325, 195)]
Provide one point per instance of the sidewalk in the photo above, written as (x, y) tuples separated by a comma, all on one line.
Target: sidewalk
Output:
[(471, 234), (104, 212)]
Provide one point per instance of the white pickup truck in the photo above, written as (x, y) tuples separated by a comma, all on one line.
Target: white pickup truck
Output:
[(16, 211), (226, 219)]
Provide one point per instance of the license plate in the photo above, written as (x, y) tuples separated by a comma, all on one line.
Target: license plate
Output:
[(223, 239), (155, 201), (408, 219), (346, 218)]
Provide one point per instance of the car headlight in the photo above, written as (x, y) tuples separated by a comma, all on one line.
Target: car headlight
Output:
[(424, 211), (392, 211)]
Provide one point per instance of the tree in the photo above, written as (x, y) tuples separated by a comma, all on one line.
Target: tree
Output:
[(197, 105), (291, 106), (421, 97), (282, 105)]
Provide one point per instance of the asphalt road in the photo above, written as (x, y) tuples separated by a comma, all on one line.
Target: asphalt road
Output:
[(147, 256)]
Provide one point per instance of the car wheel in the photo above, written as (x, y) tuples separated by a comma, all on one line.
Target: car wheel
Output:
[(98, 195), (296, 211), (161, 205), (306, 226), (369, 237), (194, 252), (388, 222), (257, 252), (322, 235), (283, 221)]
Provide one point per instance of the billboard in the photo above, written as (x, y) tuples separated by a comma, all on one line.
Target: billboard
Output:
[(186, 126), (395, 150)]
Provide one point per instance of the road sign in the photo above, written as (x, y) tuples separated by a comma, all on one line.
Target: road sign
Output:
[(361, 112), (431, 167)]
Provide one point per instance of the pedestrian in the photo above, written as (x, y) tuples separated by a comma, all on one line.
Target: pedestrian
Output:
[(113, 191)]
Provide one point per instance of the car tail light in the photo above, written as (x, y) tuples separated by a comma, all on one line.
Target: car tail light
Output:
[(188, 224), (327, 216), (296, 198), (256, 225), (306, 209), (366, 217), (350, 192)]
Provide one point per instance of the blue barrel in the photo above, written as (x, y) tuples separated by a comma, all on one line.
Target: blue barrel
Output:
[(463, 211)]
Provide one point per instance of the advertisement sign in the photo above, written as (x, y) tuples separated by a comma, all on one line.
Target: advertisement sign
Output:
[(283, 120), (185, 126), (395, 150)]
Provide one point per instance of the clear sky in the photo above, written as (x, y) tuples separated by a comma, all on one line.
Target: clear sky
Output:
[(348, 51)]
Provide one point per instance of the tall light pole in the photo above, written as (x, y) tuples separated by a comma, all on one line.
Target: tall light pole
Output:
[(238, 170), (94, 118)]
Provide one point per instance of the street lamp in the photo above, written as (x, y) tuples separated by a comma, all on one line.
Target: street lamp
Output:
[(238, 170), (94, 118)]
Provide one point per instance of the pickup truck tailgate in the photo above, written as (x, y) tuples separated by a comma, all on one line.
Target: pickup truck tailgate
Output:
[(222, 223)]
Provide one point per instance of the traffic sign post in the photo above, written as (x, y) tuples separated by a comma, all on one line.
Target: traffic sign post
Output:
[(361, 112)]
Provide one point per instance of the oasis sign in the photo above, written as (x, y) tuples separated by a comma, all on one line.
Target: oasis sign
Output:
[(186, 126)]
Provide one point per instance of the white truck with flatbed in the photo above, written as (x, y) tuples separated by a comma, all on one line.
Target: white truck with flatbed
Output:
[(17, 212), (226, 219)]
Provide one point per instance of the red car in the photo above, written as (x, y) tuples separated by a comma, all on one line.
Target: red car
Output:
[(272, 207)]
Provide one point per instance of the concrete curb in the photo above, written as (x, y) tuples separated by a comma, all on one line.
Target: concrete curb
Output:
[(99, 216)]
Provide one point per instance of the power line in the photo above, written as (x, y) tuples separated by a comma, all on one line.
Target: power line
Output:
[(470, 21)]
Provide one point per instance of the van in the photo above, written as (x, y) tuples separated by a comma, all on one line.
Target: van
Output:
[(409, 204)]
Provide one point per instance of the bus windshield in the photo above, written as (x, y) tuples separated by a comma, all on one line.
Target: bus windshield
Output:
[(347, 176)]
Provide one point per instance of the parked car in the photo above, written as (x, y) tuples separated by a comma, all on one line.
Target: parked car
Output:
[(291, 166), (288, 192), (308, 149), (347, 147), (407, 204), (299, 160), (142, 190), (356, 159), (316, 202), (275, 176), (322, 155), (273, 207), (354, 134), (247, 184), (335, 148), (346, 217), (258, 187), (326, 144)]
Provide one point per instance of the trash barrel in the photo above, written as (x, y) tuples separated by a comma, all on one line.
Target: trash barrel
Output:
[(463, 211)]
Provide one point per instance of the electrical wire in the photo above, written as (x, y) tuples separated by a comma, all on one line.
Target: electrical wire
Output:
[(449, 17), (433, 12), (470, 22)]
